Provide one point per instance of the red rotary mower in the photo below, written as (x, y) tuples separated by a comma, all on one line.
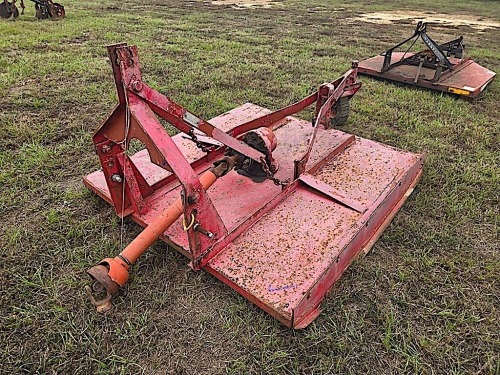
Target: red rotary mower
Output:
[(273, 206)]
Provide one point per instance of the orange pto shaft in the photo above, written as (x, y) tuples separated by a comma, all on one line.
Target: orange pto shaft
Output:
[(112, 273), (160, 224)]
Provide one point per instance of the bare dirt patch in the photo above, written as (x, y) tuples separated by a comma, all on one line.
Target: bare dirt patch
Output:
[(386, 18), (248, 3)]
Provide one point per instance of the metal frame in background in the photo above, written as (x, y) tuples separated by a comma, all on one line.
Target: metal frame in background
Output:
[(440, 67)]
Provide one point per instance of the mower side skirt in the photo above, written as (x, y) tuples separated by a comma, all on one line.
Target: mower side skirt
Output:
[(287, 262), (308, 317), (323, 285), (468, 80), (375, 223)]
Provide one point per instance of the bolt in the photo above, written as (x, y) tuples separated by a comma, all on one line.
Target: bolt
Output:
[(137, 86), (105, 149), (197, 227), (191, 199), (116, 178)]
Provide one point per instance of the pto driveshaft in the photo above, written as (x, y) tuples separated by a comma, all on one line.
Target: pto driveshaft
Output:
[(112, 273)]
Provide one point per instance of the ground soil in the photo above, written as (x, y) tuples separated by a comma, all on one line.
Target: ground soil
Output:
[(384, 18)]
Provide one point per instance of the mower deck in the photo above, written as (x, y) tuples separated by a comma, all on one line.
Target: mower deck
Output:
[(468, 80), (285, 251)]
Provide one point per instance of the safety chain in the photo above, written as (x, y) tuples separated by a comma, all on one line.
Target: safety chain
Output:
[(270, 176), (198, 143)]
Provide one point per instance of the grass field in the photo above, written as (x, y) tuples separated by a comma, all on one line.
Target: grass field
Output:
[(425, 301)]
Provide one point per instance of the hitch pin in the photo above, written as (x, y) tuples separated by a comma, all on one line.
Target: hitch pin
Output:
[(197, 227)]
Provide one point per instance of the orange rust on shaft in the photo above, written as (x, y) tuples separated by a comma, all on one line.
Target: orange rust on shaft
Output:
[(159, 225)]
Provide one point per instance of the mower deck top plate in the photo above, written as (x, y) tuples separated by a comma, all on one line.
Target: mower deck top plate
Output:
[(298, 247), (470, 79)]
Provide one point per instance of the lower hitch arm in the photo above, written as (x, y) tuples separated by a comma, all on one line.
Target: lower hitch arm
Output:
[(112, 273)]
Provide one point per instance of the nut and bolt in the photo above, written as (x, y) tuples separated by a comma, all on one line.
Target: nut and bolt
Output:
[(137, 86), (116, 178), (197, 227)]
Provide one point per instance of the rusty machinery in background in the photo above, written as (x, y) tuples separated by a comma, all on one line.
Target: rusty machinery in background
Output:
[(441, 67), (273, 206), (43, 9), (8, 10)]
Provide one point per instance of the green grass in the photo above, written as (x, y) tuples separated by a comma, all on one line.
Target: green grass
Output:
[(425, 301)]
